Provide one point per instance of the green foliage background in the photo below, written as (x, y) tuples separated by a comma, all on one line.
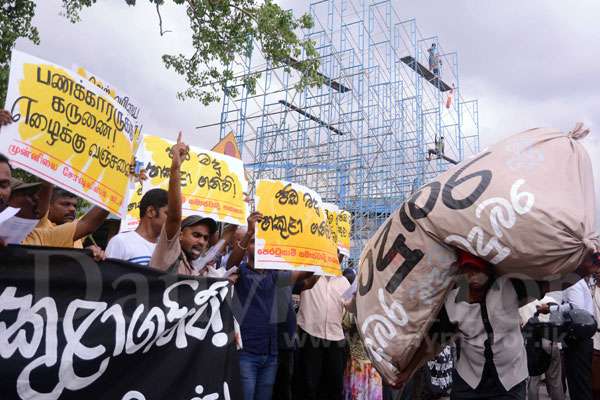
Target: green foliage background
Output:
[(15, 22)]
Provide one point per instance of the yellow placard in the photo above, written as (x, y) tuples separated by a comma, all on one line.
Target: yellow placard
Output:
[(212, 184), (331, 213), (294, 234), (66, 131), (133, 120), (343, 228)]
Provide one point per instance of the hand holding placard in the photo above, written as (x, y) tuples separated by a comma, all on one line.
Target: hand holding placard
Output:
[(253, 218)]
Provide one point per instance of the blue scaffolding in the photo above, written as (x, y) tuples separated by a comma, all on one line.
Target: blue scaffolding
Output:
[(382, 125)]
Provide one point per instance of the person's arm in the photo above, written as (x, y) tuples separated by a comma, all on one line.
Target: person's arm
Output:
[(227, 236), (173, 223), (97, 253), (298, 276), (351, 304), (405, 375), (89, 222), (310, 282), (441, 332), (44, 195), (294, 277), (239, 249)]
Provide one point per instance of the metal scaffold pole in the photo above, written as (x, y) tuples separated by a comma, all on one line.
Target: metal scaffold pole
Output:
[(382, 125)]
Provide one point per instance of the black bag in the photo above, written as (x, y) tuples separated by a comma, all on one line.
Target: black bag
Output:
[(572, 324), (538, 360), (583, 325)]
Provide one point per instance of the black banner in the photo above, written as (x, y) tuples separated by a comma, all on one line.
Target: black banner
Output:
[(72, 328)]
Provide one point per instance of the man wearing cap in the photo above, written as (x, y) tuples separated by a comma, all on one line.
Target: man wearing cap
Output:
[(483, 310), (180, 242), (25, 197)]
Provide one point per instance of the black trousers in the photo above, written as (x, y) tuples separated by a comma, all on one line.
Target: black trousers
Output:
[(283, 380), (578, 363), (490, 387), (322, 358)]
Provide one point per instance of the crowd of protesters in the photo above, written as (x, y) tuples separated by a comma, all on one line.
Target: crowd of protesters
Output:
[(314, 350)]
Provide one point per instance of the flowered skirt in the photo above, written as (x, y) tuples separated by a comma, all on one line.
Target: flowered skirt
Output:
[(361, 381)]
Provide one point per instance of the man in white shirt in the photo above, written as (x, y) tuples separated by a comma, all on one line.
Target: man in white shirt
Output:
[(553, 373), (321, 338), (137, 246), (578, 353)]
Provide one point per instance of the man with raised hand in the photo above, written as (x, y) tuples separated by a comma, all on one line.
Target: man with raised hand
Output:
[(181, 242)]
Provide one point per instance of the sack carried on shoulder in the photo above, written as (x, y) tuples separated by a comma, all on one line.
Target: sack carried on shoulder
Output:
[(525, 204)]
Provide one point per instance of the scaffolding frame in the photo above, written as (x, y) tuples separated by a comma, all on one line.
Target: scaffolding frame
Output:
[(367, 138)]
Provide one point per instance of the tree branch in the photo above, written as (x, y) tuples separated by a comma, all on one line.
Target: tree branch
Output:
[(252, 16), (160, 21)]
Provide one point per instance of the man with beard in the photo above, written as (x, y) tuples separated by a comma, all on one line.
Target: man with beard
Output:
[(180, 242)]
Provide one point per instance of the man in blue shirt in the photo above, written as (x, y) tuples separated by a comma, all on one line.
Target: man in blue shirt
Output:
[(253, 302)]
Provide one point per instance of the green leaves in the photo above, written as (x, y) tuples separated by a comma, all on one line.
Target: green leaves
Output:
[(223, 29), (15, 22)]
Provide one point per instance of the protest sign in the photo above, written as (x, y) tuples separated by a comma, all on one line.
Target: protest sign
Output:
[(331, 214), (77, 329), (212, 184), (228, 146), (525, 204), (339, 221), (343, 226), (294, 233), (132, 122), (66, 131)]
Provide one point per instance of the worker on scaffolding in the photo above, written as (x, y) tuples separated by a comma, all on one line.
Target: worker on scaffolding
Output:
[(438, 151), (434, 60)]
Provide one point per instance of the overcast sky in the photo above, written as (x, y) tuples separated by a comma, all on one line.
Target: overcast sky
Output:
[(530, 64)]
